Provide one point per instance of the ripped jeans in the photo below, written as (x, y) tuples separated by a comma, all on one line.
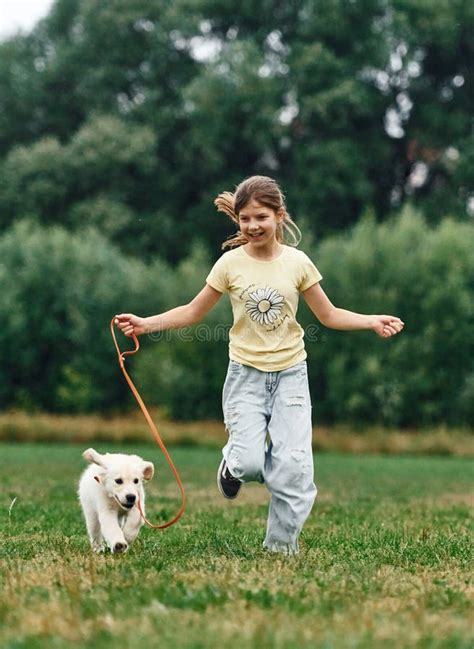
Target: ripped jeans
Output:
[(268, 418)]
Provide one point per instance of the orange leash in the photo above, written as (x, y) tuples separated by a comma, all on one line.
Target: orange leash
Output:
[(156, 434)]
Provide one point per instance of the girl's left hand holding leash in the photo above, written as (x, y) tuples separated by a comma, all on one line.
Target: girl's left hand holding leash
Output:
[(387, 325)]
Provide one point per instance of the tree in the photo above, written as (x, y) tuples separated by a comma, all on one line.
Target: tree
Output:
[(349, 104), (102, 177), (433, 93)]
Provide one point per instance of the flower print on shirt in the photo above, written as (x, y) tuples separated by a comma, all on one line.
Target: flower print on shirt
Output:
[(264, 305)]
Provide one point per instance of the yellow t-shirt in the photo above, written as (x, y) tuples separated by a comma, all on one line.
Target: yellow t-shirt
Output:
[(264, 299)]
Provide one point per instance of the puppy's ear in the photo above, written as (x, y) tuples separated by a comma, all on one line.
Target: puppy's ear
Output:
[(148, 470), (93, 457)]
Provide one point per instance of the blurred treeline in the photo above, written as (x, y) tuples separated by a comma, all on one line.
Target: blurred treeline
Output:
[(121, 120)]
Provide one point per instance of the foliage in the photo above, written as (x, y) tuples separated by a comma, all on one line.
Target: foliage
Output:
[(153, 107), (55, 348), (121, 121), (99, 178), (384, 563), (423, 275), (434, 40), (56, 352)]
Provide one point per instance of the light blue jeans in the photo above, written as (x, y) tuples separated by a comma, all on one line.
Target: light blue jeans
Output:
[(268, 418)]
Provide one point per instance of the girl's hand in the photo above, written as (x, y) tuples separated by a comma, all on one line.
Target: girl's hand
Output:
[(130, 324), (387, 325)]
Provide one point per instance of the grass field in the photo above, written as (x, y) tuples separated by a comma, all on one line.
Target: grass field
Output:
[(385, 559)]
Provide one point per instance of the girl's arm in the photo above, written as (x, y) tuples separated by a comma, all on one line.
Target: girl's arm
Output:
[(181, 316), (335, 318)]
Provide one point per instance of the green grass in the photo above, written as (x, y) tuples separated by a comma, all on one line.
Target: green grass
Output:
[(384, 561)]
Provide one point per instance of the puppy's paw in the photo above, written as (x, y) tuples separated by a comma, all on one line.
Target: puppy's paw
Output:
[(119, 547), (98, 548)]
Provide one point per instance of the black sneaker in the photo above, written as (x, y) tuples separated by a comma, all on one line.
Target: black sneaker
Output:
[(226, 483)]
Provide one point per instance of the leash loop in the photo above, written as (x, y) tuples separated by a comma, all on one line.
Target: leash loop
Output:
[(121, 358)]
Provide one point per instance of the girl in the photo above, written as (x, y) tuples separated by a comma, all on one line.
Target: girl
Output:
[(266, 402)]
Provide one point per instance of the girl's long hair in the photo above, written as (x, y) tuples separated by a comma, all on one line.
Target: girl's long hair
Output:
[(265, 191)]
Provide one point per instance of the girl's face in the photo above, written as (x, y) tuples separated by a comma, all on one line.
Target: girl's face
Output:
[(258, 224)]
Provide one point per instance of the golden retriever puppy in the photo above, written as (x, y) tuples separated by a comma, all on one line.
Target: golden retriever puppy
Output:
[(109, 491)]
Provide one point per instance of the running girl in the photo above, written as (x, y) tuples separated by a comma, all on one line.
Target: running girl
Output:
[(266, 401)]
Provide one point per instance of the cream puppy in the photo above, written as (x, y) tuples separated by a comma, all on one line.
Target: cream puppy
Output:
[(109, 490)]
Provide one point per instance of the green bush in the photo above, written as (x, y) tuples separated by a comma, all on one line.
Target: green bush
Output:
[(59, 292), (423, 275), (61, 289)]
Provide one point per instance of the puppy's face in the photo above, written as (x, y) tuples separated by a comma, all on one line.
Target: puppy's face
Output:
[(121, 476)]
